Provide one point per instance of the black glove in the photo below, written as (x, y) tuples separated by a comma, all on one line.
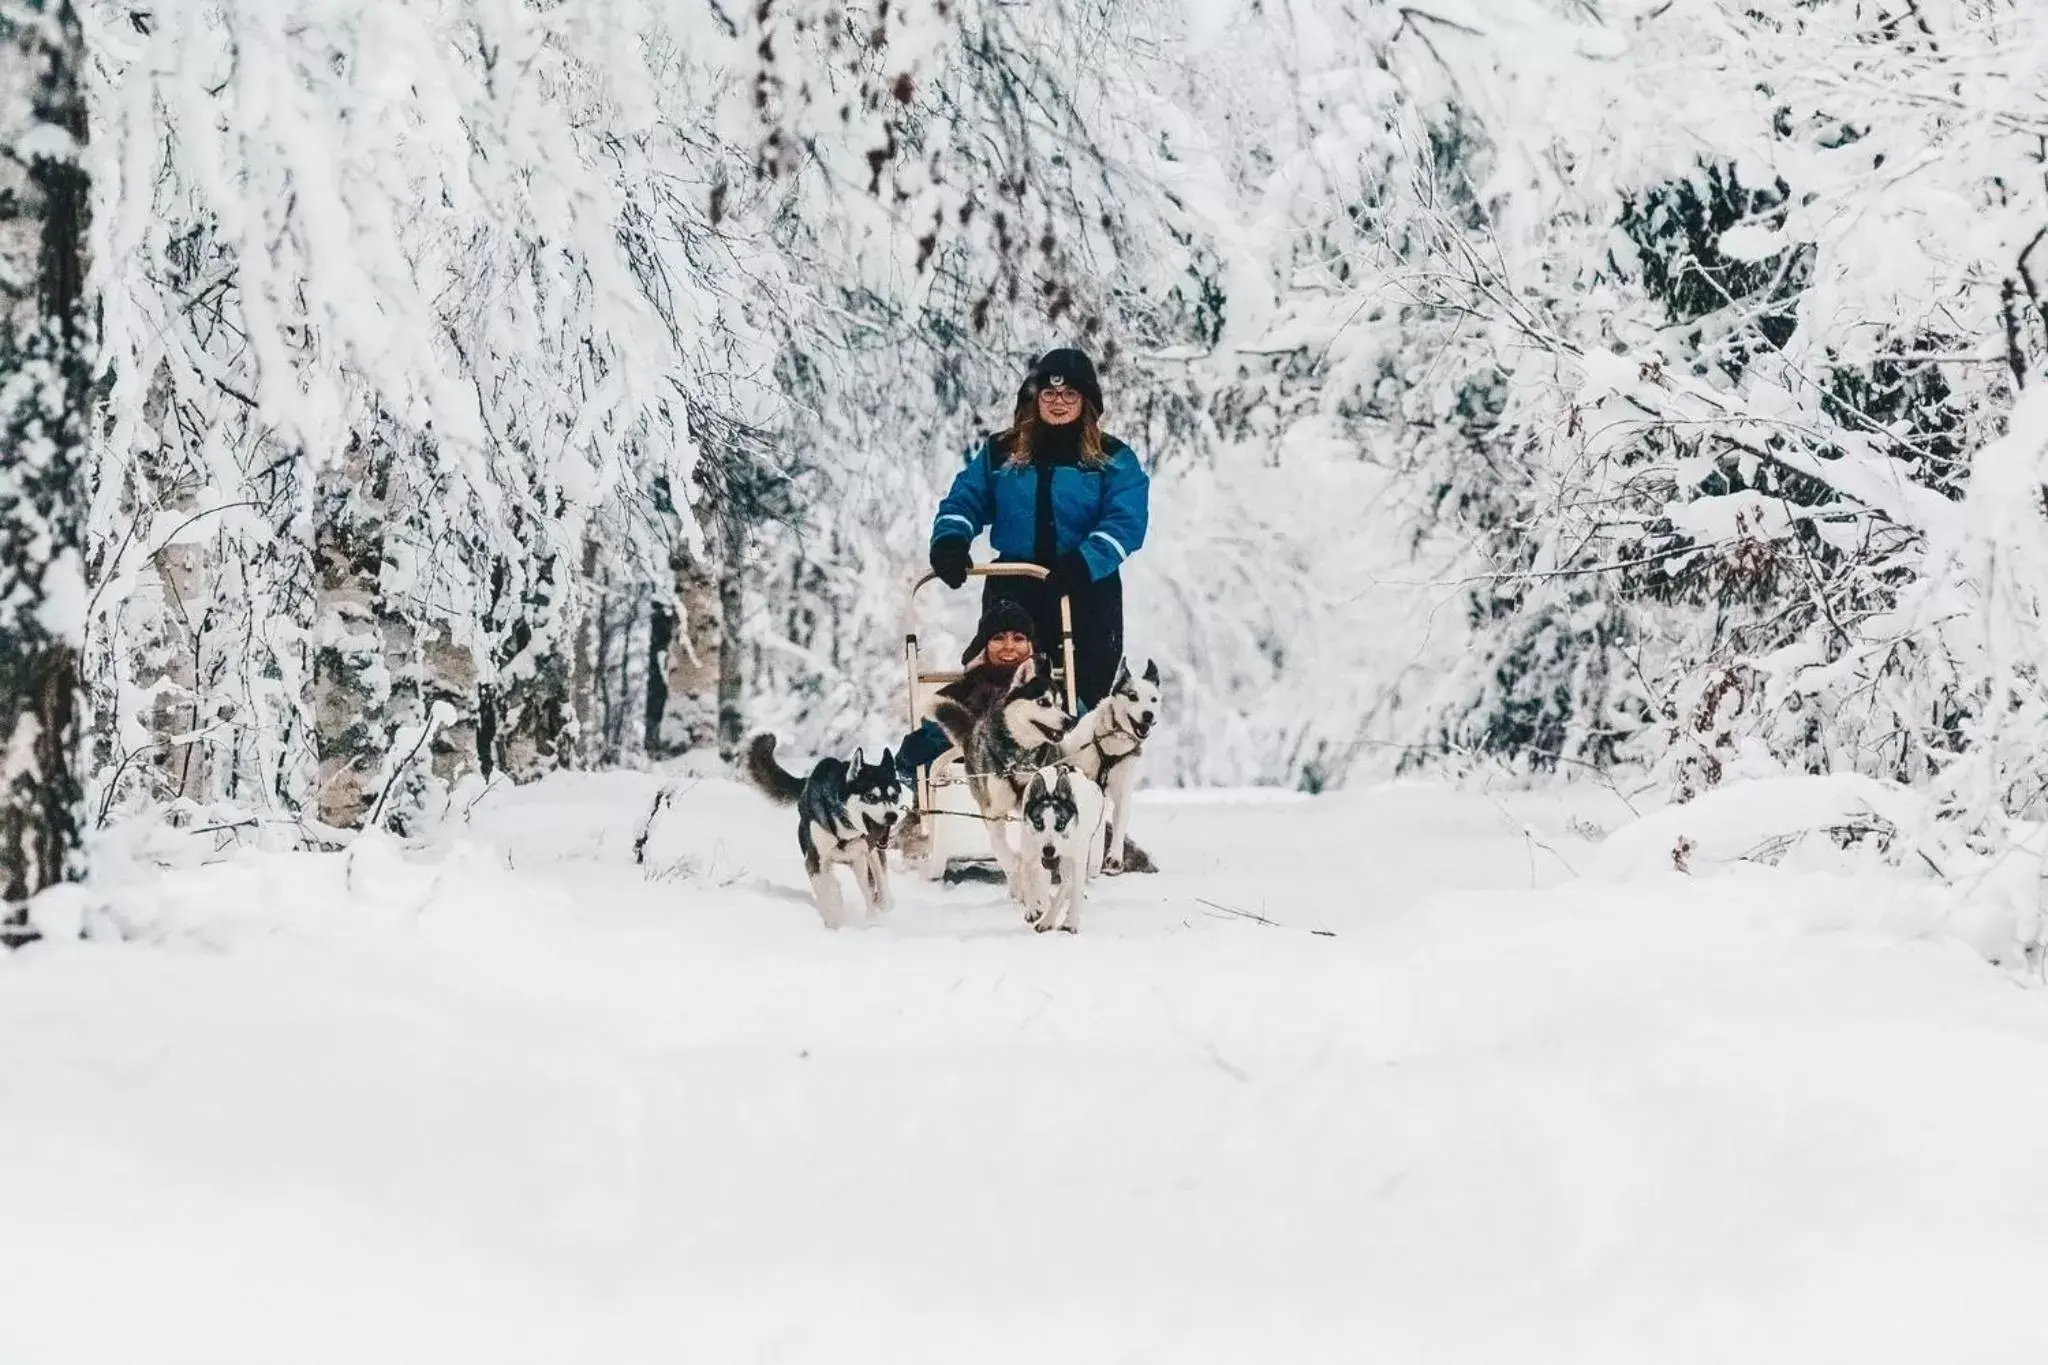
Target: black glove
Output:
[(949, 560), (1070, 572)]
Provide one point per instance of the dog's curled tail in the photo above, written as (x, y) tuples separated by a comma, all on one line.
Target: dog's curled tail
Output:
[(776, 782), (956, 720)]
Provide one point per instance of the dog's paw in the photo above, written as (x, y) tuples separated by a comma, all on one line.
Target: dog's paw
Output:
[(1045, 926)]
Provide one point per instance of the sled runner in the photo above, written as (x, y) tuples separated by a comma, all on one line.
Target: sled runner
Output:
[(947, 822)]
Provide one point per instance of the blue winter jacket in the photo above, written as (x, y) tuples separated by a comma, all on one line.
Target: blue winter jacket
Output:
[(1102, 511)]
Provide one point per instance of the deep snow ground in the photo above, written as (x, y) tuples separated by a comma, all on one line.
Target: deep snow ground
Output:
[(516, 1099)]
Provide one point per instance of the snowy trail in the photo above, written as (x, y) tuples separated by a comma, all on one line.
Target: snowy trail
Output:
[(520, 1101)]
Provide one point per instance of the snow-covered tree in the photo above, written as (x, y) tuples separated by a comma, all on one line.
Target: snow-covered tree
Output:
[(398, 307), (45, 387)]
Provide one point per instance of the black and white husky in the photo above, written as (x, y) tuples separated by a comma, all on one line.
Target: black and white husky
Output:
[(845, 812), (1003, 749), (1063, 832), (1108, 744)]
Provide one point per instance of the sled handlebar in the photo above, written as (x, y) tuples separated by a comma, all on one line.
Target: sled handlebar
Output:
[(989, 571)]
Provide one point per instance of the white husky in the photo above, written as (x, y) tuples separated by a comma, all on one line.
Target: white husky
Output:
[(1108, 744), (1064, 815)]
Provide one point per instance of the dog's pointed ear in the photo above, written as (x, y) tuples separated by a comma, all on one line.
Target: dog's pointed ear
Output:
[(1123, 674), (1067, 783), (854, 765), (887, 762), (1026, 671), (1152, 671)]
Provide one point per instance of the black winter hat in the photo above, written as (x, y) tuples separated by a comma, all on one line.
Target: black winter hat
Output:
[(1001, 616), (1070, 365)]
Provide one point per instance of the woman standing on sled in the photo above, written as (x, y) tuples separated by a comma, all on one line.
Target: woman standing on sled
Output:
[(1054, 491)]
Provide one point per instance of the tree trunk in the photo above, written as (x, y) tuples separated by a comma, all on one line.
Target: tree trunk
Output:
[(731, 603), (180, 574), (451, 677), (586, 667), (351, 678), (162, 630), (45, 381), (526, 723), (661, 629), (619, 735), (692, 659)]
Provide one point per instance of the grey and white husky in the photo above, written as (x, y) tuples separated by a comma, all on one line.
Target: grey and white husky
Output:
[(1004, 747), (1063, 834), (845, 812), (1108, 744)]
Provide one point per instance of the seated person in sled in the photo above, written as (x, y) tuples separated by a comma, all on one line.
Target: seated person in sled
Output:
[(1006, 637)]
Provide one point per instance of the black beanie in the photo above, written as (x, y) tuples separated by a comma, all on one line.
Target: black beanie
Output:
[(1001, 616), (1071, 365)]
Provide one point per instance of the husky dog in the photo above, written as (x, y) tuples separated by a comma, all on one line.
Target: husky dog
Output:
[(1004, 747), (1063, 833), (1108, 744), (846, 810)]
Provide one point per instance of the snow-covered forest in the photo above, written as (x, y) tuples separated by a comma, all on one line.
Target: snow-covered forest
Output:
[(481, 389), (470, 390), (1597, 570)]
